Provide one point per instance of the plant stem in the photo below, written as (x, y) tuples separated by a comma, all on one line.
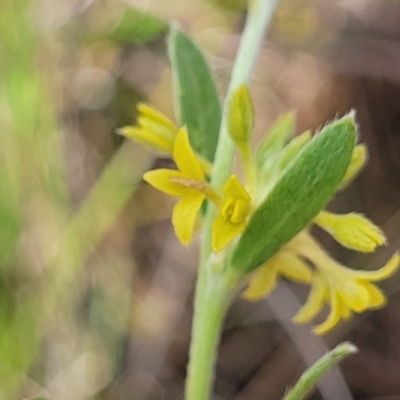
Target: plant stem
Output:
[(249, 168), (258, 18), (215, 285), (211, 303)]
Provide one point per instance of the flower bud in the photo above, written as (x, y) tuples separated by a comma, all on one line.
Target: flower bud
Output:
[(352, 231), (241, 117)]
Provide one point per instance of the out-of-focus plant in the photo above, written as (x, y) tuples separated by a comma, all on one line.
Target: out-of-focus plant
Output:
[(255, 230), (130, 25), (230, 4), (44, 240)]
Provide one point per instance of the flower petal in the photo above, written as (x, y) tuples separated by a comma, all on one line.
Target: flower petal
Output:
[(149, 114), (345, 312), (161, 180), (385, 272), (333, 318), (376, 298), (314, 301), (353, 294), (233, 188), (294, 268), (262, 283), (223, 231), (184, 216), (185, 158), (147, 138)]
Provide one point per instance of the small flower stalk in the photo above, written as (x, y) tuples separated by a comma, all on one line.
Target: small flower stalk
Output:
[(255, 226)]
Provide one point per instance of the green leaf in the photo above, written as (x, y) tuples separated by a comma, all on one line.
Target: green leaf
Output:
[(138, 27), (290, 152), (277, 137), (195, 93), (298, 196), (273, 152)]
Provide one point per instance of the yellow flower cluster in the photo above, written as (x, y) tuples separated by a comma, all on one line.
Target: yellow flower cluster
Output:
[(189, 181), (302, 259), (346, 290)]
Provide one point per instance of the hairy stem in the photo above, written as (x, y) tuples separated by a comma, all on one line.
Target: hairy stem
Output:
[(212, 301), (215, 284), (259, 16)]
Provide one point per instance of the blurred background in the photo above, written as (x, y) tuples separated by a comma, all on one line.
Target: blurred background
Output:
[(95, 290)]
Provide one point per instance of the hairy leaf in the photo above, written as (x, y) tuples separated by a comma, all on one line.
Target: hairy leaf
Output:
[(196, 94), (298, 196)]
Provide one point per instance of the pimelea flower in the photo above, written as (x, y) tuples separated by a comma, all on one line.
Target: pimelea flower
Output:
[(153, 130), (345, 290), (233, 212), (188, 183), (156, 132), (285, 263)]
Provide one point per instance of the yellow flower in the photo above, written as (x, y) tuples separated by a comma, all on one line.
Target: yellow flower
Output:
[(188, 183), (343, 289), (285, 263), (156, 131), (153, 130), (231, 219), (352, 231)]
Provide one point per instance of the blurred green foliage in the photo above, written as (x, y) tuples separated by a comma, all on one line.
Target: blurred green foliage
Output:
[(132, 26), (230, 4), (138, 27), (45, 240)]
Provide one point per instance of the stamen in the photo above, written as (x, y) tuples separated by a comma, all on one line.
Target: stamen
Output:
[(189, 183), (234, 211), (200, 186)]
